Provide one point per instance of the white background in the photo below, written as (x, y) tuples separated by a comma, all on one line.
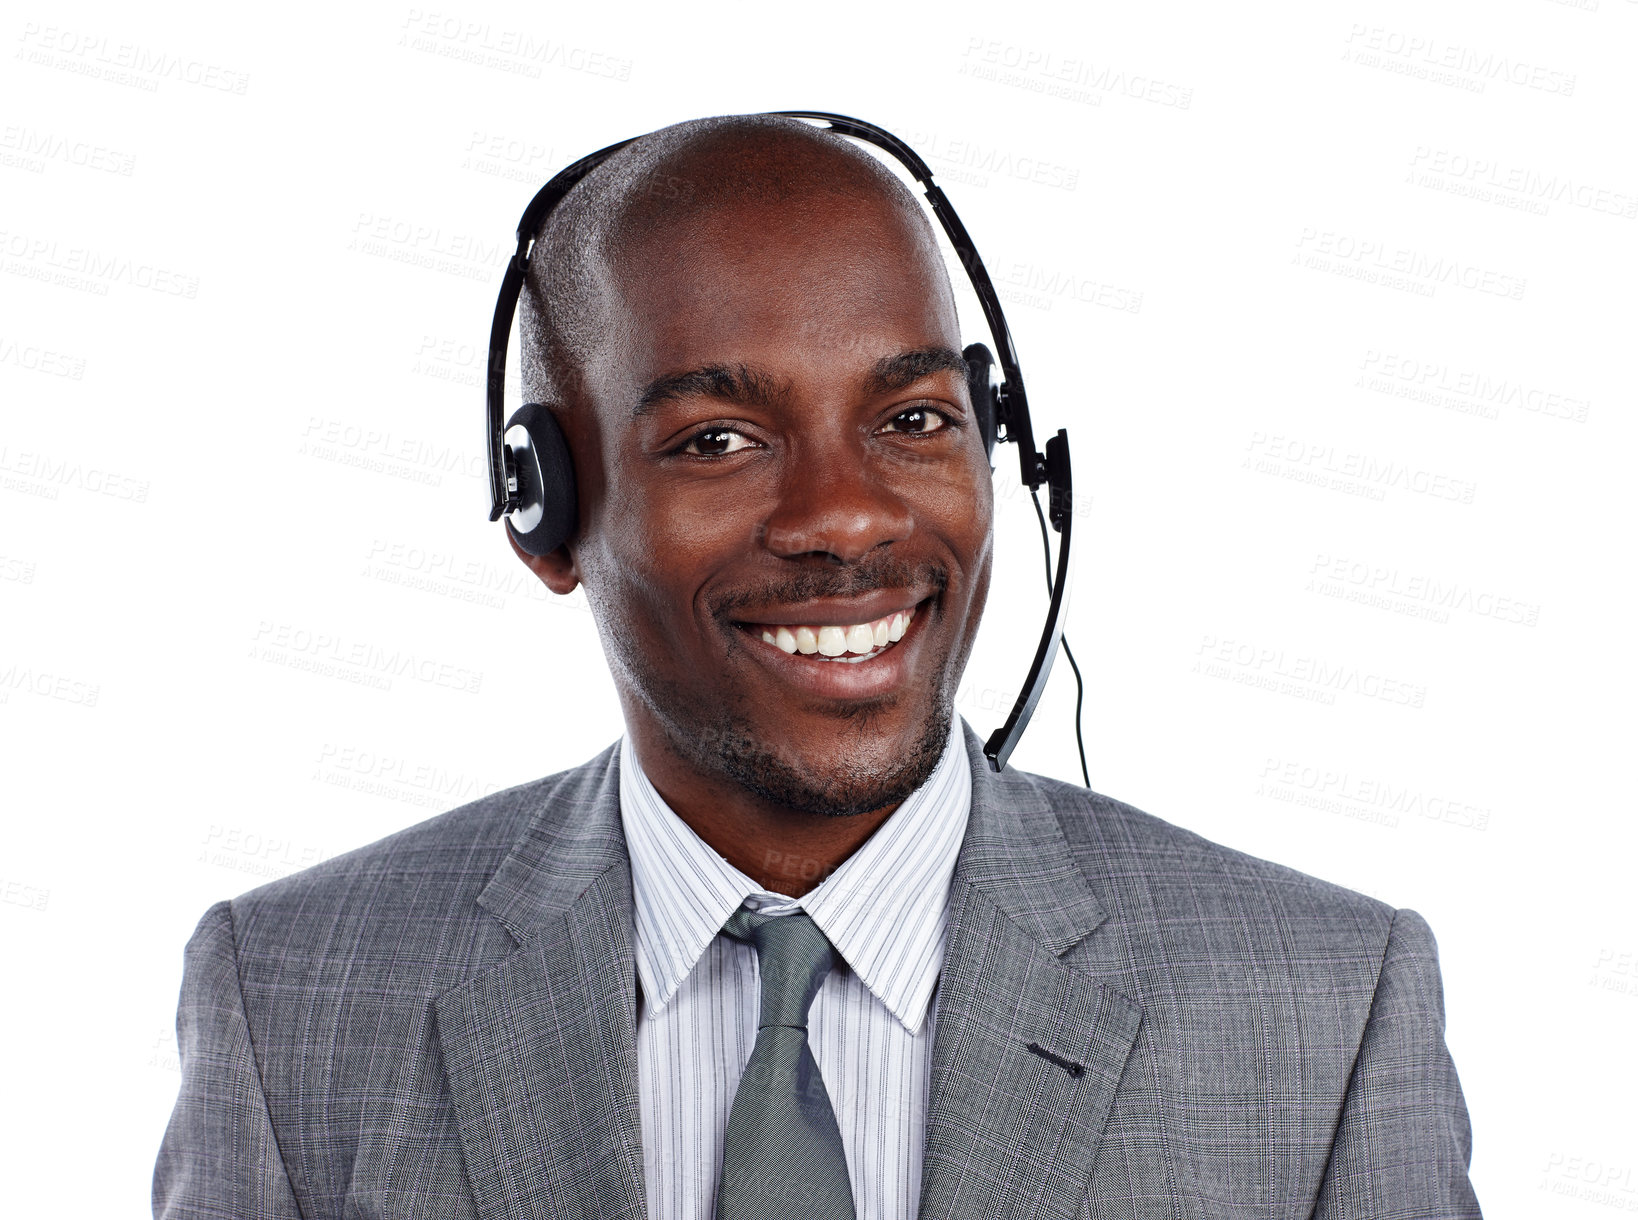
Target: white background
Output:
[(1335, 301)]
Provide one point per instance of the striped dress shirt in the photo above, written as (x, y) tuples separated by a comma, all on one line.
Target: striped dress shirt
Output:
[(870, 1027)]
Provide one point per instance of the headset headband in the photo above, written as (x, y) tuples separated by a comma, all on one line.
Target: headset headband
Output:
[(1011, 404)]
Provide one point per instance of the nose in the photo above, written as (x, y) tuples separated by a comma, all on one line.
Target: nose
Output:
[(834, 505)]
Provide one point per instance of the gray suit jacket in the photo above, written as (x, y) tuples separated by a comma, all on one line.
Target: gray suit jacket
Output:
[(442, 1024)]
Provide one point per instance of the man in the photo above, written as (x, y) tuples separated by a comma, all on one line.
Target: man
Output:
[(791, 948)]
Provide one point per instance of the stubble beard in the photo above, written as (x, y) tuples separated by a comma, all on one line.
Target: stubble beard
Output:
[(716, 739), (844, 790), (716, 736)]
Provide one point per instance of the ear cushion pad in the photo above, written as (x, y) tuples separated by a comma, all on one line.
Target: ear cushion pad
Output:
[(547, 514), (982, 393)]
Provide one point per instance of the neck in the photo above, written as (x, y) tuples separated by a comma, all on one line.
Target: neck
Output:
[(783, 850), (788, 854)]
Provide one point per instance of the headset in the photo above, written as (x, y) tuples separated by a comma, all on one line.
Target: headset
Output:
[(531, 474)]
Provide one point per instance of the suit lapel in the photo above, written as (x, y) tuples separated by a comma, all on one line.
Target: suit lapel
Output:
[(1011, 1130), (540, 1048)]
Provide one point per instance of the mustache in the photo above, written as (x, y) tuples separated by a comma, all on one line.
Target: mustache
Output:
[(849, 581)]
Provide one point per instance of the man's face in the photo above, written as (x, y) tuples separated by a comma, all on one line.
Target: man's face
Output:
[(779, 443)]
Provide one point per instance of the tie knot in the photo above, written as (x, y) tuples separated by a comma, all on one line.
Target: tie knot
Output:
[(793, 957)]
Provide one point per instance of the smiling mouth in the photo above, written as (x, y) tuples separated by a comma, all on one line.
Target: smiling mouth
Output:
[(847, 644)]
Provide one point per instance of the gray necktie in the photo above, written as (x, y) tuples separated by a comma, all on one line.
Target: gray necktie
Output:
[(783, 1159)]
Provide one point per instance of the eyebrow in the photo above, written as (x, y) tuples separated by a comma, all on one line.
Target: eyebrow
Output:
[(895, 372), (736, 383), (746, 385)]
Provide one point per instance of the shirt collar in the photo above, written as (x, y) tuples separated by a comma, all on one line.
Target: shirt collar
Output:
[(884, 908)]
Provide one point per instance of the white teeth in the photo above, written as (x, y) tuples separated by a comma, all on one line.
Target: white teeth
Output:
[(859, 639)]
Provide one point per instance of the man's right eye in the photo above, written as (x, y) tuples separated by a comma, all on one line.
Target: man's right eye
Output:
[(714, 442)]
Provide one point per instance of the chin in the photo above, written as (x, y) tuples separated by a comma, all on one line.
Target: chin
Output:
[(844, 781)]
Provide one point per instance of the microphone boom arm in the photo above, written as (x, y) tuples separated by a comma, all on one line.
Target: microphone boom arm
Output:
[(1000, 745)]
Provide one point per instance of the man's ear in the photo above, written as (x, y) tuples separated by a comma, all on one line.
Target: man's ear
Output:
[(557, 569)]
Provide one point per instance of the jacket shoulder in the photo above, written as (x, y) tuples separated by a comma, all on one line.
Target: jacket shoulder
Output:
[(1144, 864), (433, 870)]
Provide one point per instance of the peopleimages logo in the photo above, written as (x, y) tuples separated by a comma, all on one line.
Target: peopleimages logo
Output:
[(394, 777), (1413, 594), (1469, 391), (123, 63), (1367, 798), (1399, 266), (964, 159), (1055, 75), (383, 451), (1038, 287), (1449, 63), (40, 474), (36, 359), (1519, 187), (81, 267), (1349, 470), (515, 51), (460, 577), (361, 662), (1299, 675), (32, 149), (28, 680)]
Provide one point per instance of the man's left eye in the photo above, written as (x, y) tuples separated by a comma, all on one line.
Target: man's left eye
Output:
[(715, 442), (919, 420)]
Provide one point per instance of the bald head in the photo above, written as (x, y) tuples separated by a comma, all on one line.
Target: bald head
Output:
[(745, 329), (644, 204)]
